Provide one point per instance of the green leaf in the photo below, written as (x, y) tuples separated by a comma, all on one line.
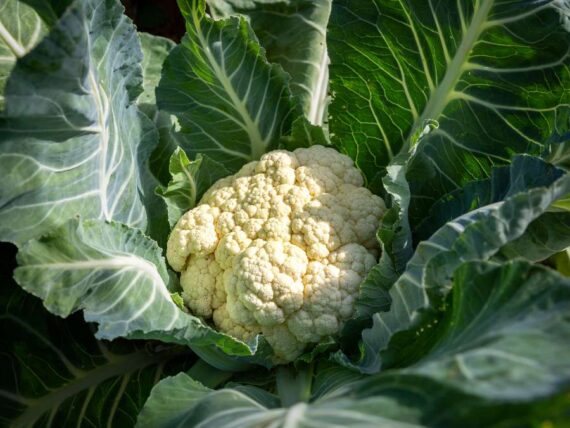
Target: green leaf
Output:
[(423, 402), (544, 236), (493, 73), (557, 151), (157, 214), (230, 408), (155, 50), (298, 43), (71, 135), (477, 235), (495, 358), (194, 403), (190, 180), (498, 338), (232, 105), (525, 172), (324, 347), (561, 262), (503, 333), (332, 380), (294, 383), (394, 237), (55, 371), (49, 10), (168, 142), (119, 278), (303, 134), (208, 375), (178, 300), (261, 396), (20, 30), (548, 234), (219, 359)]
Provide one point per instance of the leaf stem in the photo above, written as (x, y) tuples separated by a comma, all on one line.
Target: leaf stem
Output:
[(294, 385), (441, 97)]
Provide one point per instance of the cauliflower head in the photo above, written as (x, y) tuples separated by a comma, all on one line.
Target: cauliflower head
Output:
[(280, 248)]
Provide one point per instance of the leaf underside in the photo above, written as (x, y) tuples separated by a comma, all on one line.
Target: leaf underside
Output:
[(71, 136)]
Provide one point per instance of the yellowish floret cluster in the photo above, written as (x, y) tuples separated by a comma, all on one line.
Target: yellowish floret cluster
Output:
[(280, 248)]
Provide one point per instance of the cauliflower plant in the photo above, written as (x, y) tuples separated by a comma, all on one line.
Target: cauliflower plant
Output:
[(279, 248)]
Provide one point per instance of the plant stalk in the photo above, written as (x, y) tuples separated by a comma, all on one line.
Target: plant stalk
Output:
[(294, 384)]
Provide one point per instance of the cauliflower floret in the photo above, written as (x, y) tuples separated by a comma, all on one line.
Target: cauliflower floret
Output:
[(194, 234), (226, 324), (363, 210), (285, 346), (267, 280), (331, 286), (328, 158), (231, 245), (278, 166), (202, 290), (280, 248)]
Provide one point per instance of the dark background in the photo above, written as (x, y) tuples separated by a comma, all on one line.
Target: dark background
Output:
[(160, 17)]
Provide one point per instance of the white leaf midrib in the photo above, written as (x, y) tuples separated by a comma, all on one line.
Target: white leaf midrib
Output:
[(131, 263), (18, 50), (439, 98), (102, 107), (192, 193), (124, 365), (319, 91), (258, 144)]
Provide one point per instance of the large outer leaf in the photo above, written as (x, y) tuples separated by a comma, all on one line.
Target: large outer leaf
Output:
[(55, 372), (20, 29), (231, 104), (198, 406), (498, 350), (298, 43), (493, 73), (543, 237), (498, 337), (194, 403), (415, 399), (503, 335), (557, 151), (525, 172), (119, 278), (71, 134), (477, 235)]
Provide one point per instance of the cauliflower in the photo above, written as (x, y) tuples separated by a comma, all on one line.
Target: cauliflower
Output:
[(279, 248)]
